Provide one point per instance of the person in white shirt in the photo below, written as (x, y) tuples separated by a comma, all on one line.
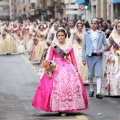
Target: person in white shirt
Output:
[(92, 52), (72, 26)]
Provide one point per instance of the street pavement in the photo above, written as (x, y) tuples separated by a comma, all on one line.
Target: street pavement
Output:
[(18, 81)]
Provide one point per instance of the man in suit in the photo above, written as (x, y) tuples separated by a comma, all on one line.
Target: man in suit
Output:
[(72, 26), (94, 46)]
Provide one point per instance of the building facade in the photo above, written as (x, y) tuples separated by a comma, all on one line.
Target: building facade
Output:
[(8, 8), (115, 9), (47, 9), (100, 9), (106, 9)]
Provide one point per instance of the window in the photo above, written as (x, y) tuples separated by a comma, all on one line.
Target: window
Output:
[(32, 5)]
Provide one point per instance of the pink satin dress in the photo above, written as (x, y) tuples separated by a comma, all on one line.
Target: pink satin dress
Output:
[(65, 91)]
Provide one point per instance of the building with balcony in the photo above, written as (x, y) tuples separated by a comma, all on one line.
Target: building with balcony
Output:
[(70, 13), (33, 8), (106, 9), (76, 10), (100, 9), (7, 9), (27, 8)]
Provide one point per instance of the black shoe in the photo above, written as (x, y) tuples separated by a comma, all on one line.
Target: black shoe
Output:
[(91, 94), (99, 96)]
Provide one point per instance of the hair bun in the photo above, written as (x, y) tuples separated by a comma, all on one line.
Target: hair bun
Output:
[(61, 29)]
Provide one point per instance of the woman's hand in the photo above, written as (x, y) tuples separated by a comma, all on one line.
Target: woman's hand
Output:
[(111, 40), (84, 63), (99, 53)]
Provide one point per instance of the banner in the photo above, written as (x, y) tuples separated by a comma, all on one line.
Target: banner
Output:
[(80, 1)]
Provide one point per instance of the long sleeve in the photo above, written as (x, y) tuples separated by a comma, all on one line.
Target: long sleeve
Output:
[(50, 54), (71, 39), (84, 48), (73, 60), (48, 36), (105, 44)]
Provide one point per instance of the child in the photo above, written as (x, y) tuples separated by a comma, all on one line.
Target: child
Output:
[(21, 48), (64, 92)]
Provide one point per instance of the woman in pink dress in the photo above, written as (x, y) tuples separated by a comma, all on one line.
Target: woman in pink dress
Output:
[(65, 91)]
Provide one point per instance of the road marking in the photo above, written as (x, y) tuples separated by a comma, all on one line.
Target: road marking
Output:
[(25, 59), (28, 62), (31, 65), (38, 74), (81, 117)]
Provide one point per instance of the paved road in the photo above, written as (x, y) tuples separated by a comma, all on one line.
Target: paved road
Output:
[(18, 82)]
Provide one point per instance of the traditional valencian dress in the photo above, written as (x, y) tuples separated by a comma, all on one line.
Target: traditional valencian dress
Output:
[(42, 42), (30, 45), (111, 76), (2, 49), (21, 48), (65, 91), (8, 45), (76, 41)]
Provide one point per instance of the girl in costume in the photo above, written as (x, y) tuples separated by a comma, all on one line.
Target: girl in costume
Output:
[(64, 92), (41, 34), (52, 32), (8, 44), (21, 48), (31, 43), (76, 40), (111, 76), (50, 39), (35, 52)]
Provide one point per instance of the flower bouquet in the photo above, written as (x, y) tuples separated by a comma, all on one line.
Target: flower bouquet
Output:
[(49, 67)]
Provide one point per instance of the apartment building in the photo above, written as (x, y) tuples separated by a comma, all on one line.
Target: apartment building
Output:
[(106, 9), (7, 9), (115, 9), (46, 9), (100, 8)]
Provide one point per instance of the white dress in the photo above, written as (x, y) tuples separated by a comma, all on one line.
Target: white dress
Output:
[(111, 75), (21, 48), (30, 45), (77, 47)]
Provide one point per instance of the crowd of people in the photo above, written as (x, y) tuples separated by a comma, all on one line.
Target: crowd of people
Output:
[(90, 49)]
